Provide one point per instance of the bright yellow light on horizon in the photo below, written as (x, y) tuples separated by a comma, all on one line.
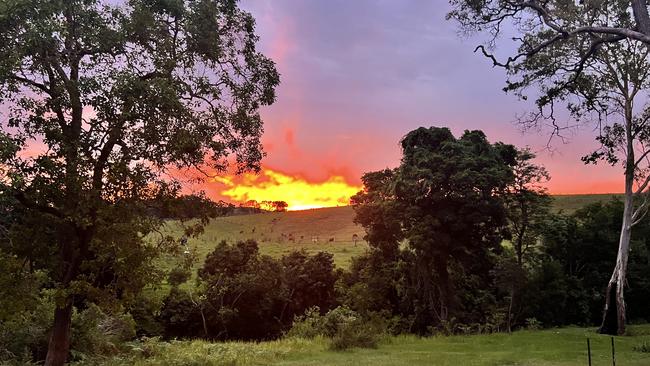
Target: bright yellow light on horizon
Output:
[(297, 192)]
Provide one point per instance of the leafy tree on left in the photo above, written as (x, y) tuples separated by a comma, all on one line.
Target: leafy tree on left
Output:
[(101, 102)]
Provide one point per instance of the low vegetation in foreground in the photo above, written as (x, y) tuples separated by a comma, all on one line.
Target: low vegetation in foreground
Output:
[(563, 346)]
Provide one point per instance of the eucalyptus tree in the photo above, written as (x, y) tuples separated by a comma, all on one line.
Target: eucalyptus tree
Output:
[(560, 21), (617, 86), (101, 101), (590, 56)]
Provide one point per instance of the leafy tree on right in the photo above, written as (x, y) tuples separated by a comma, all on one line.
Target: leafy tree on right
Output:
[(445, 203), (592, 57)]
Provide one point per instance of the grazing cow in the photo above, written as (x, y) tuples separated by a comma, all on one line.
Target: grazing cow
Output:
[(331, 239)]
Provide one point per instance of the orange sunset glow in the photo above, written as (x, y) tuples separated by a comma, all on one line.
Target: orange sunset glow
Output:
[(297, 192)]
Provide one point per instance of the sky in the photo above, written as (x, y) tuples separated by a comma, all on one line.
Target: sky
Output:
[(356, 76)]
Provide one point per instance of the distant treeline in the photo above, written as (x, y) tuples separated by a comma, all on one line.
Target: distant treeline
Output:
[(185, 207)]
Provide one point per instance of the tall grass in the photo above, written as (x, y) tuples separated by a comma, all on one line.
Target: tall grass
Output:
[(552, 347)]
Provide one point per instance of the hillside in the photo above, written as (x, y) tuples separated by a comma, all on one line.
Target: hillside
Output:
[(325, 229), (571, 202)]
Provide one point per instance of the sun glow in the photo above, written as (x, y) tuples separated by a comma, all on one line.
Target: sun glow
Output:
[(297, 192)]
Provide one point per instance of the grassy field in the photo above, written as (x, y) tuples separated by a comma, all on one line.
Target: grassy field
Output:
[(557, 347), (333, 229), (571, 202)]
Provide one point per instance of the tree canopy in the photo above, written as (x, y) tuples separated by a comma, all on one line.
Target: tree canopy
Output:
[(444, 201), (104, 103)]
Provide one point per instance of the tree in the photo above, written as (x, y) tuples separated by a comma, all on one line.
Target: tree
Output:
[(310, 282), (527, 206), (624, 73), (584, 245), (600, 81), (445, 201), (277, 206), (104, 101), (245, 295), (527, 203), (244, 292), (578, 27)]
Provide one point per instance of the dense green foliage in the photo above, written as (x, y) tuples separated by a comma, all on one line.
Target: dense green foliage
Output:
[(580, 249), (445, 202), (561, 283), (241, 294), (344, 327), (107, 101)]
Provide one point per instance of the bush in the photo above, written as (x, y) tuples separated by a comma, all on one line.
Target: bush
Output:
[(533, 324), (308, 325), (354, 334), (179, 315), (145, 311), (23, 336), (97, 333), (643, 347), (343, 326), (178, 276)]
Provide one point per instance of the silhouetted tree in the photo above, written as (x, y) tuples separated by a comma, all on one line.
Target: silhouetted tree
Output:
[(527, 203), (446, 200), (118, 94), (553, 28), (277, 206), (310, 282), (242, 294)]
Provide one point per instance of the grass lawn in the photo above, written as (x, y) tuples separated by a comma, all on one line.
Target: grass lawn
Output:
[(561, 347)]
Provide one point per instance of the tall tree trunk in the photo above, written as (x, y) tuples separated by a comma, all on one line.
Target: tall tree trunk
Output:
[(59, 345), (512, 300), (614, 313)]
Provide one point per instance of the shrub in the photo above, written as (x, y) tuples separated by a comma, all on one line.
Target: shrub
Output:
[(643, 347), (23, 336), (533, 324), (179, 315), (308, 325), (344, 327), (145, 311), (178, 276), (354, 334), (97, 333)]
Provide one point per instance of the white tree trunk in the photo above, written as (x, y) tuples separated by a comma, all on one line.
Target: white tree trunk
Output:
[(614, 313)]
